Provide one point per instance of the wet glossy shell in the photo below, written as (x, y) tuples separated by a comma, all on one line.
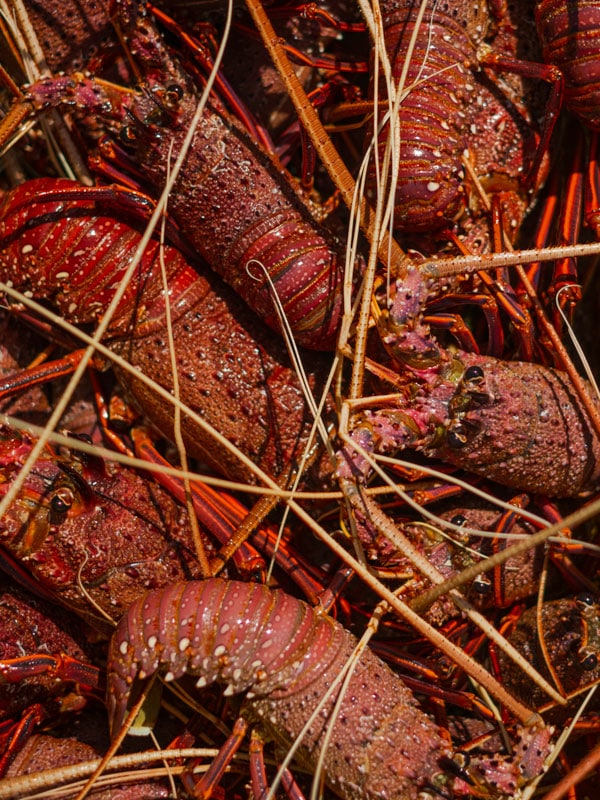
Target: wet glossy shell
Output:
[(529, 430), (286, 656), (570, 35)]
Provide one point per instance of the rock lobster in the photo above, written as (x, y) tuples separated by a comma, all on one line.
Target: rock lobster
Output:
[(286, 657), (231, 370), (447, 388), (235, 205), (438, 53), (519, 424)]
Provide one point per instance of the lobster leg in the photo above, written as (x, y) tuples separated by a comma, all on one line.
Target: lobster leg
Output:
[(203, 789), (13, 735), (500, 296), (592, 185), (40, 375), (61, 666), (222, 514), (563, 210), (260, 783), (544, 72), (564, 287)]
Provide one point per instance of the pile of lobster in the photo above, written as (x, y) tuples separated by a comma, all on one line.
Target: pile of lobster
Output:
[(268, 358)]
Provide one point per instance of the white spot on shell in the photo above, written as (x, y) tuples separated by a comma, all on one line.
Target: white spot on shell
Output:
[(169, 676), (184, 644), (152, 640), (220, 650), (224, 628), (27, 248), (433, 186), (123, 648)]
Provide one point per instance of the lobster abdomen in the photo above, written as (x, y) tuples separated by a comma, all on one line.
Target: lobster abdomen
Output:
[(433, 115), (233, 372), (570, 35), (286, 655)]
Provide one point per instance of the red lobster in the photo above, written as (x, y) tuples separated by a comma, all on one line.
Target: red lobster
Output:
[(286, 657), (570, 36), (519, 424), (570, 631), (33, 633), (451, 552), (231, 370), (85, 528), (446, 107), (233, 203)]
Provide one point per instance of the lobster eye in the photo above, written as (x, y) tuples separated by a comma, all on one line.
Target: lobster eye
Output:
[(462, 759), (61, 502), (456, 437), (127, 135), (586, 600), (458, 764), (473, 375), (458, 520), (588, 661), (482, 585), (174, 92)]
